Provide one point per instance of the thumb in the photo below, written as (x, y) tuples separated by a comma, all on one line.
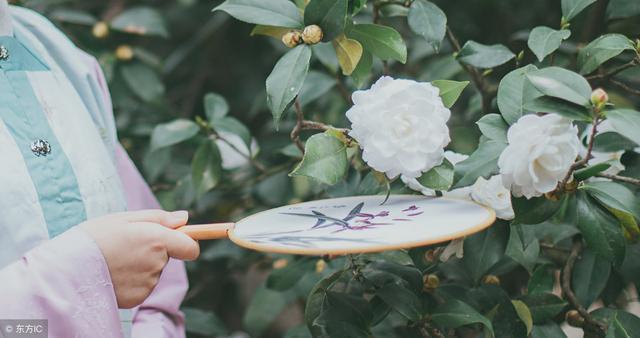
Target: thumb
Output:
[(168, 219), (181, 246)]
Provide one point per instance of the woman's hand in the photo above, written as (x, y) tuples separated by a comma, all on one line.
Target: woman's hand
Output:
[(136, 246)]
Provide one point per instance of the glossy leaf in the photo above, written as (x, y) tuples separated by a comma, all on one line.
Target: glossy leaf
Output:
[(571, 8), (402, 300), (601, 50), (493, 127), (316, 85), (325, 160), (330, 15), (439, 177), (544, 306), (143, 81), (263, 309), (286, 80), (514, 90), (590, 275), (206, 168), (141, 21), (601, 231), (429, 21), (544, 40), (618, 9), (626, 122), (382, 41), (349, 53), (363, 69), (535, 210), (561, 83), (232, 125), (280, 13), (285, 278), (484, 56), (524, 313), (523, 247), (546, 104), (550, 329), (455, 313), (450, 90), (482, 163), (488, 248), (614, 195), (215, 106), (173, 132)]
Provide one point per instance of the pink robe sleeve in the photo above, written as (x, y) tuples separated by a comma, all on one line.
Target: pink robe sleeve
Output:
[(66, 281), (159, 316)]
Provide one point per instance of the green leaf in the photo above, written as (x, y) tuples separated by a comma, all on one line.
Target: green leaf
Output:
[(535, 210), (546, 104), (330, 15), (286, 277), (439, 177), (428, 20), (524, 313), (349, 53), (541, 280), (626, 122), (280, 13), (286, 80), (325, 160), (617, 330), (315, 86), (382, 41), (232, 125), (544, 306), (590, 275), (206, 168), (591, 171), (544, 40), (73, 16), (402, 300), (614, 195), (142, 80), (316, 298), (550, 329), (628, 324), (523, 247), (203, 322), (363, 70), (263, 309), (141, 21), (455, 313), (488, 248), (618, 9), (571, 8), (601, 231), (601, 50), (484, 56), (215, 106), (493, 127), (514, 90), (173, 132), (507, 321), (561, 83), (483, 162), (450, 90)]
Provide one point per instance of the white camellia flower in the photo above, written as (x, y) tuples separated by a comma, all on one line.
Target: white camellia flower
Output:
[(401, 126), (238, 157), (493, 194), (541, 151)]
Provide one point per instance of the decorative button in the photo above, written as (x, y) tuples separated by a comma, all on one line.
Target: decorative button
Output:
[(4, 53), (41, 148)]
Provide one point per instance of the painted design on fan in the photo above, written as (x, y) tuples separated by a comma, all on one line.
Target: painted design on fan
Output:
[(358, 220)]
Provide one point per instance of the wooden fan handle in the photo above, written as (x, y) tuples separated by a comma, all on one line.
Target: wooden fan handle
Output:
[(207, 231)]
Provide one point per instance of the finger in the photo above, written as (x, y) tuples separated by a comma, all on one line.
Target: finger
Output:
[(181, 246), (168, 219)]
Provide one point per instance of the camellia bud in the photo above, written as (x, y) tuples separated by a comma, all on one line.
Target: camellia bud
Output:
[(292, 38), (574, 318), (100, 30), (320, 265), (599, 98), (491, 280), (280, 263), (430, 281), (312, 34), (124, 53)]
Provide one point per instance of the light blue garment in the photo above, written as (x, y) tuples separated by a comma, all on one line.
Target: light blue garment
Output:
[(49, 91)]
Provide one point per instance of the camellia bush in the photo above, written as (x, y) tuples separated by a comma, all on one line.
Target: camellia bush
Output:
[(357, 97)]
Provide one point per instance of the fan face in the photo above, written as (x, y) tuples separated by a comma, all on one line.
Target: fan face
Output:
[(360, 224)]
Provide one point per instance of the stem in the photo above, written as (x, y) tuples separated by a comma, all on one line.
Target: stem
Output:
[(476, 76), (624, 179), (582, 162), (614, 71), (625, 87), (591, 324), (295, 133)]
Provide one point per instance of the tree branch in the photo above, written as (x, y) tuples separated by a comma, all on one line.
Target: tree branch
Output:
[(476, 76), (625, 87), (624, 179), (614, 71), (594, 130), (295, 133), (590, 323)]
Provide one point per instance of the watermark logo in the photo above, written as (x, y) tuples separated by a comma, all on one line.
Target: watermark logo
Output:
[(24, 328)]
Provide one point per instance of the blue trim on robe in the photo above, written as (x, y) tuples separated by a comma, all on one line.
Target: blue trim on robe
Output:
[(52, 175)]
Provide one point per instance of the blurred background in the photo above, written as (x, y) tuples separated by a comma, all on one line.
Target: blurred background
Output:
[(162, 56)]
